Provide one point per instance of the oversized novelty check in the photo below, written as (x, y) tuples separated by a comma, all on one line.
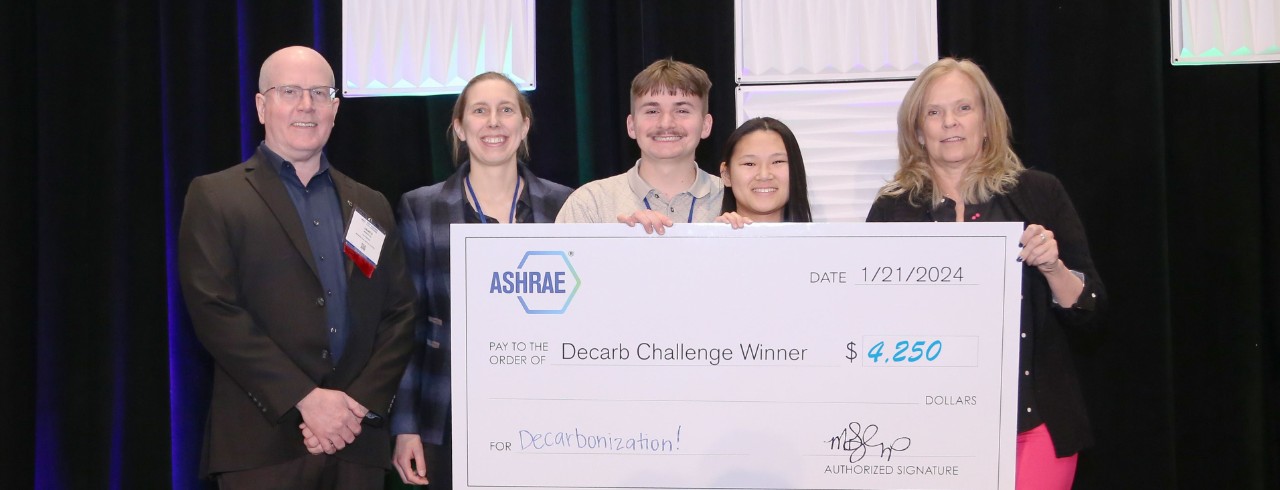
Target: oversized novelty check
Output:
[(777, 356)]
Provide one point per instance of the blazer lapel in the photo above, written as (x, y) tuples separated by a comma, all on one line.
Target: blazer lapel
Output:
[(537, 193), (266, 182), (449, 208), (452, 204), (347, 202)]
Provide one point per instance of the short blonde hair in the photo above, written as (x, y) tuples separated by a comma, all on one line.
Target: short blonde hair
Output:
[(997, 167), (672, 77)]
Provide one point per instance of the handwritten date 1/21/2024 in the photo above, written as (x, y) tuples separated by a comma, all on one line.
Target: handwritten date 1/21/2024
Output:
[(856, 439), (918, 274)]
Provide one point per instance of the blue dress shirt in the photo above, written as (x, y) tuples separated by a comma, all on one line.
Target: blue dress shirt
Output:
[(321, 214)]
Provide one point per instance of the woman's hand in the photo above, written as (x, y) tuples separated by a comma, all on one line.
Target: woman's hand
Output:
[(1040, 250), (734, 219), (409, 459)]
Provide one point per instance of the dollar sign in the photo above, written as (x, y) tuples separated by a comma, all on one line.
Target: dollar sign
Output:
[(853, 354)]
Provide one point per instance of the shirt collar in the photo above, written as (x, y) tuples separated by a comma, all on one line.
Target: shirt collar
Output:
[(702, 186), (277, 162)]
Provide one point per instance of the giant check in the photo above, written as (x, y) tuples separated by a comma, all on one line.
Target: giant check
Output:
[(776, 356)]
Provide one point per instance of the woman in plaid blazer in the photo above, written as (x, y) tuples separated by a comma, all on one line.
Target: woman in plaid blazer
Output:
[(490, 122)]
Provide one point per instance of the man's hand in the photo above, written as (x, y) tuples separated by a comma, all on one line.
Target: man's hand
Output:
[(332, 418), (651, 220), (409, 459), (310, 440)]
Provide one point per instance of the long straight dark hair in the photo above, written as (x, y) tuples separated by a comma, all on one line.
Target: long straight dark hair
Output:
[(797, 208)]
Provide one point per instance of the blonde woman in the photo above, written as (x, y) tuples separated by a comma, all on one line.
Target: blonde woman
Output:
[(956, 165)]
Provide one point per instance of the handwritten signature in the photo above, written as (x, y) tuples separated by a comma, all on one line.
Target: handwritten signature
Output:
[(857, 439)]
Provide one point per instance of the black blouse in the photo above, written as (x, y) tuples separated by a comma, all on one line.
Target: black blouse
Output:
[(1048, 391)]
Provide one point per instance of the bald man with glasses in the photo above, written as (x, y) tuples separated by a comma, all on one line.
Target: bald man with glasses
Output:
[(295, 281)]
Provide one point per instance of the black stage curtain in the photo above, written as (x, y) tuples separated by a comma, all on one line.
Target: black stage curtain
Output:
[(112, 107)]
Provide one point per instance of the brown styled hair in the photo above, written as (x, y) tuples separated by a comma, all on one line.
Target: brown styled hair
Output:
[(672, 77)]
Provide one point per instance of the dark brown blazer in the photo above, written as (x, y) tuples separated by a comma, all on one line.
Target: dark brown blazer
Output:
[(257, 305)]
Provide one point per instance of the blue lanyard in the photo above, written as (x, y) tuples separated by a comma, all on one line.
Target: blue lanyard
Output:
[(514, 197), (691, 205)]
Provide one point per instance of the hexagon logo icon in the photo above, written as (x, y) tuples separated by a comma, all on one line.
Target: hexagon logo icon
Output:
[(544, 282)]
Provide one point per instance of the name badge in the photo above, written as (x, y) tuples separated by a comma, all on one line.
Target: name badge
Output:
[(364, 242)]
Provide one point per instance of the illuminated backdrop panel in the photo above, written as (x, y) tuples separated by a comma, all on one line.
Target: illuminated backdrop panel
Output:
[(414, 47), (1203, 32), (788, 41)]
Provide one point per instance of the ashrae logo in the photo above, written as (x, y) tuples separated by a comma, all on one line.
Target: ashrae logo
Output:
[(544, 282)]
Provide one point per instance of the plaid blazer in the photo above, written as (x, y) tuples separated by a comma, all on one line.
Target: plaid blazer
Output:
[(422, 403)]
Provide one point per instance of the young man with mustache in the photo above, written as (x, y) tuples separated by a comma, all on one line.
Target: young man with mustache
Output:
[(668, 118)]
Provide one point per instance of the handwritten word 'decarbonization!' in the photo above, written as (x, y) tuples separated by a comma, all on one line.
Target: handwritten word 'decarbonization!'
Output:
[(607, 442)]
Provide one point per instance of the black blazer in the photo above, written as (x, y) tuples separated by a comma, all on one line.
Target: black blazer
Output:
[(256, 303), (1039, 198)]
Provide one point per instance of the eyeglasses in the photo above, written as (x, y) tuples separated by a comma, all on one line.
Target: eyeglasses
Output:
[(293, 93)]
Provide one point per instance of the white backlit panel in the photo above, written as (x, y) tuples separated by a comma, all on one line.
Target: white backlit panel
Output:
[(834, 40), (847, 134), (424, 47), (1205, 32)]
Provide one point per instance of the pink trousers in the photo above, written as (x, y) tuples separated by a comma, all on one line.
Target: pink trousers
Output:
[(1038, 467)]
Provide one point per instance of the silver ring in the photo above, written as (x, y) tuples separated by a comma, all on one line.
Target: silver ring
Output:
[(1043, 238)]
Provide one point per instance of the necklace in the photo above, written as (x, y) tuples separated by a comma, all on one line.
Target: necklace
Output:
[(691, 205)]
